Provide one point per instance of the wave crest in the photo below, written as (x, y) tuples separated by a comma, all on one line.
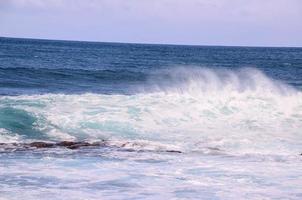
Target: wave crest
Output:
[(196, 80), (240, 111)]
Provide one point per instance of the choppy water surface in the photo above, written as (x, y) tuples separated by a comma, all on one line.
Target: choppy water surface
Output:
[(175, 122)]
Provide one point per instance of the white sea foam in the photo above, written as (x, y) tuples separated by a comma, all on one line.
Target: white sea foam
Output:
[(238, 112), (8, 137)]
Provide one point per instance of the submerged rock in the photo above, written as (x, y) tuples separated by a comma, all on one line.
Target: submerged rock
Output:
[(173, 151), (67, 144), (76, 145), (10, 147), (41, 144)]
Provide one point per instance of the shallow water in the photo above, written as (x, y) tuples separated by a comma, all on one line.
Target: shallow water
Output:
[(179, 122)]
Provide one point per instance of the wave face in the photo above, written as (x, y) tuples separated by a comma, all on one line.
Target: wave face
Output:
[(237, 111)]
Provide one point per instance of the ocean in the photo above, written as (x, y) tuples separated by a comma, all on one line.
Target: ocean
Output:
[(91, 120)]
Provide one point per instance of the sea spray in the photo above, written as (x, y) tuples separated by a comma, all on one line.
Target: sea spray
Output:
[(239, 111)]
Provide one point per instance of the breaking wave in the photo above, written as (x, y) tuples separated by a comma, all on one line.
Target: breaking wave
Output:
[(238, 111)]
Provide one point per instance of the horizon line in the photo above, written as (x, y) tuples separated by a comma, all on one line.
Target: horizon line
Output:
[(139, 43)]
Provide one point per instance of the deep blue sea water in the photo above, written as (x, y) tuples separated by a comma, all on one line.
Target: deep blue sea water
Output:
[(179, 122)]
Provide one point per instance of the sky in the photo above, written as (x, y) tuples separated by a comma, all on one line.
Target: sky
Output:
[(193, 22)]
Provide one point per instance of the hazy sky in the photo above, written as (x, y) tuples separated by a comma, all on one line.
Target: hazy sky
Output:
[(208, 22)]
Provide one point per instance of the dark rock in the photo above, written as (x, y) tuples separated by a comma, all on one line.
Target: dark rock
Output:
[(41, 145), (173, 151), (65, 143), (78, 145), (124, 144)]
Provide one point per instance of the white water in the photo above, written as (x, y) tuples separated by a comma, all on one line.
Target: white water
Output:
[(239, 133), (238, 112)]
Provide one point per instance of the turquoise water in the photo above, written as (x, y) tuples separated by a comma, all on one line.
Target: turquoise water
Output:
[(179, 122)]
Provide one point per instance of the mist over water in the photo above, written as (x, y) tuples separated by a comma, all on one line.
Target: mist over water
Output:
[(195, 120)]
